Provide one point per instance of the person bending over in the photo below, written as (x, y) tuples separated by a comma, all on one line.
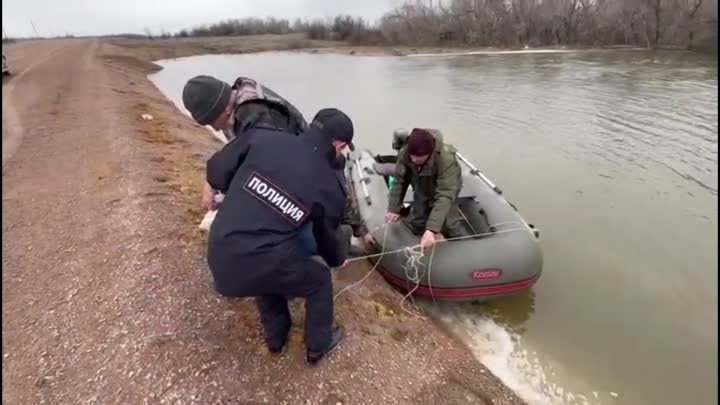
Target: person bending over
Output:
[(274, 186), (436, 179)]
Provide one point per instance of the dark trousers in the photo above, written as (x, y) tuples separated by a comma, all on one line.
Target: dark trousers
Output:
[(453, 227), (312, 282), (272, 281), (307, 239)]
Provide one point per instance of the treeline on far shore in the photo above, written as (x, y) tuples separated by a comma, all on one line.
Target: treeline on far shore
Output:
[(688, 24)]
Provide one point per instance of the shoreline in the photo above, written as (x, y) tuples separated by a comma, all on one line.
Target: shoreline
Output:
[(465, 372), (172, 48)]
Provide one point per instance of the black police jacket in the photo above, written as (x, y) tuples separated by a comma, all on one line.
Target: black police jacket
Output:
[(274, 184)]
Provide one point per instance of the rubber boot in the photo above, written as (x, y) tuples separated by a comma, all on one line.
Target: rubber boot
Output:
[(338, 334)]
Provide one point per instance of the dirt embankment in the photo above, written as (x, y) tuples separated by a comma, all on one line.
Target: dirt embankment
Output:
[(106, 293), (179, 47)]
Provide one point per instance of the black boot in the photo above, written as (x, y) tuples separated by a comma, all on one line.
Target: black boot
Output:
[(277, 349), (338, 334)]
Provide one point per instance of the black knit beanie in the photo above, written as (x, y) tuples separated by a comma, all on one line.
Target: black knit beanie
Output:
[(206, 97)]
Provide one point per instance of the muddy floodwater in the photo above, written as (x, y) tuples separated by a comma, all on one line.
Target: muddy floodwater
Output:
[(611, 154)]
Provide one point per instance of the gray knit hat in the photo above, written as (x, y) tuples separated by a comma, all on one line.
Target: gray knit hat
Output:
[(206, 97)]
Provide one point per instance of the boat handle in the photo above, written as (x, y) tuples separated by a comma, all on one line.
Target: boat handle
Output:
[(474, 170), (363, 180)]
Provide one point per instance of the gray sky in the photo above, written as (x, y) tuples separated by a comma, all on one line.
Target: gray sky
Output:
[(93, 17)]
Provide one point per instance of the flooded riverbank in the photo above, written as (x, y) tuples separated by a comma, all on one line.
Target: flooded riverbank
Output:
[(613, 155)]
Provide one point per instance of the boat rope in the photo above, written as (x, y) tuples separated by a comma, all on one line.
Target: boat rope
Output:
[(369, 272), (413, 266), (475, 235)]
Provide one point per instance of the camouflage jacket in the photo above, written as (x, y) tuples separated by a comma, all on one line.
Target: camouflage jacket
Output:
[(259, 105)]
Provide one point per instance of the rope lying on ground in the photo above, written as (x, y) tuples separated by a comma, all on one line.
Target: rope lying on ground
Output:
[(413, 262)]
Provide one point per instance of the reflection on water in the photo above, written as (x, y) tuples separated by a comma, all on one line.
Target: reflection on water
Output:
[(613, 154)]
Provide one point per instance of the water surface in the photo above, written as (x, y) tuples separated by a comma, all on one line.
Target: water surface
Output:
[(612, 154)]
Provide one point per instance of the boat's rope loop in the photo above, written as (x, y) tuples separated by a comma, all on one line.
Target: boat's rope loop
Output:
[(414, 268)]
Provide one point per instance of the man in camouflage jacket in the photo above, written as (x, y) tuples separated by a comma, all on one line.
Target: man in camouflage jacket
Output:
[(436, 178)]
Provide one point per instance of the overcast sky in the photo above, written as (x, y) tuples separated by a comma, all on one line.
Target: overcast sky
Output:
[(94, 17)]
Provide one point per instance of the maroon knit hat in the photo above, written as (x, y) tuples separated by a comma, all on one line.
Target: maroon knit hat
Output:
[(420, 142)]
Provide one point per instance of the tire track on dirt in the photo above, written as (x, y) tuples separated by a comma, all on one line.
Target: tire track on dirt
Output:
[(12, 126)]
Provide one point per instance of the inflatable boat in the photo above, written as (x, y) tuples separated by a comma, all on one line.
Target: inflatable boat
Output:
[(502, 255)]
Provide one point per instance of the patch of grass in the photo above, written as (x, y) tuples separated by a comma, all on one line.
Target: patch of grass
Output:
[(181, 177), (382, 311), (131, 62), (153, 131), (186, 182), (298, 44)]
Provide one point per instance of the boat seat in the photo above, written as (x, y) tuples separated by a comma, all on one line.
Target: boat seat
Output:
[(384, 169)]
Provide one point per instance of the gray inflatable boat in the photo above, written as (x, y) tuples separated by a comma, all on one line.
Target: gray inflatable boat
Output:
[(504, 258)]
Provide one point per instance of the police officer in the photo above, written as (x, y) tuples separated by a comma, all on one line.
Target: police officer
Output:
[(352, 223), (273, 186)]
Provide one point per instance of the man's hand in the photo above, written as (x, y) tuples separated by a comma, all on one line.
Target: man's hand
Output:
[(368, 241), (391, 217), (208, 198), (428, 239)]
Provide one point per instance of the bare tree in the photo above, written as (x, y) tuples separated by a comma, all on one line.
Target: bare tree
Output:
[(650, 23)]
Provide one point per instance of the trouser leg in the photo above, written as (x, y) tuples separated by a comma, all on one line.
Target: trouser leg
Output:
[(318, 309), (417, 219), (455, 226), (309, 279), (346, 233), (309, 245), (307, 239), (275, 317)]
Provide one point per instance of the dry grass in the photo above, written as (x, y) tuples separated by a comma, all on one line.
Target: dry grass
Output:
[(180, 47), (178, 173), (185, 180)]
